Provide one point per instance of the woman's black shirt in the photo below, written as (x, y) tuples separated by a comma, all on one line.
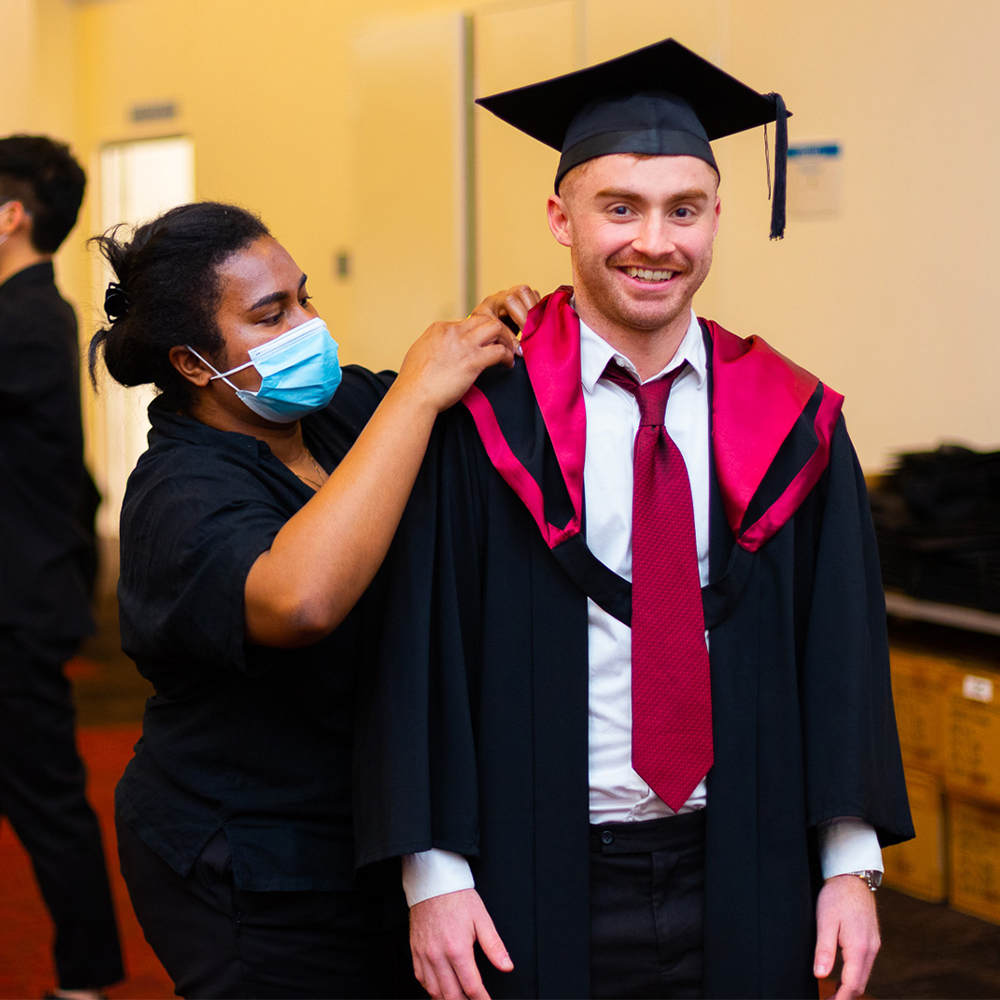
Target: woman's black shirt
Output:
[(246, 738)]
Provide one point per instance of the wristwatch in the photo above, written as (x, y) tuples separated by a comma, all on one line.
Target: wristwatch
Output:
[(873, 878)]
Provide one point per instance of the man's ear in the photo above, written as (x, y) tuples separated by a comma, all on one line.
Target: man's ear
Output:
[(190, 365), (13, 217), (559, 220)]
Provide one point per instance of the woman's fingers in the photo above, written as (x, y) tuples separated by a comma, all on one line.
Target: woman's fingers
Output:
[(514, 302)]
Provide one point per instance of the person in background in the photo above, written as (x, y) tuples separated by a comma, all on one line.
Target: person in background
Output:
[(250, 529), (632, 728), (44, 606)]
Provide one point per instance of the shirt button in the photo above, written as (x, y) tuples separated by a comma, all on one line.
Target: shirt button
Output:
[(607, 837)]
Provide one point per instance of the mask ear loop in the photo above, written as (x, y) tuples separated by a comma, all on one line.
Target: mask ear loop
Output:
[(6, 236), (218, 374)]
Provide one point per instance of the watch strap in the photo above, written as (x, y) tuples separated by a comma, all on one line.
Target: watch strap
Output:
[(872, 877)]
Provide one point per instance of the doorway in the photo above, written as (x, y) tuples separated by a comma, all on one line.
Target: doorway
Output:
[(138, 181)]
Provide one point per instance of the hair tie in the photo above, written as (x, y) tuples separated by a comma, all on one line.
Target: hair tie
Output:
[(116, 302)]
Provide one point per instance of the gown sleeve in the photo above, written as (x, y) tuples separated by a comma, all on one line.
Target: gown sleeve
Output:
[(416, 783), (853, 762)]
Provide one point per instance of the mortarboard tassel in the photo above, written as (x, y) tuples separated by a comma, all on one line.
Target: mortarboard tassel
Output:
[(780, 167)]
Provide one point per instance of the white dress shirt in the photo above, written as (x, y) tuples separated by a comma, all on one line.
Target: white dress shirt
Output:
[(617, 793)]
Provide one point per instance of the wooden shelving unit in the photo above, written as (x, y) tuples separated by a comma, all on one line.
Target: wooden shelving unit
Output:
[(970, 619)]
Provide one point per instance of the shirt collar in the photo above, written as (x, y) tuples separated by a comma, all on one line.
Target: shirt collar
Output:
[(170, 424), (32, 276), (595, 353)]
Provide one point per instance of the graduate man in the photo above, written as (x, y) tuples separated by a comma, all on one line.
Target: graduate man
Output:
[(632, 728), (44, 608)]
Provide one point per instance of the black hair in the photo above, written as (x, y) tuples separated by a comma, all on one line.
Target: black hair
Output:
[(42, 174), (167, 293)]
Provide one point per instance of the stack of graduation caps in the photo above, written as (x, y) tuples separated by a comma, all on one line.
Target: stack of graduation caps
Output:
[(660, 100)]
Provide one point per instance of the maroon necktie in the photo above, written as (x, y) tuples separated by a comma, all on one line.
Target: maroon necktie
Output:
[(671, 696)]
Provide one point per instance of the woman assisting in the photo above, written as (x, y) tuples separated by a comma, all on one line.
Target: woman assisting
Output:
[(251, 527)]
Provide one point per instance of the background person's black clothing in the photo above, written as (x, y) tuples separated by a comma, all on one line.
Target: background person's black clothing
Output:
[(42, 786), (43, 614), (41, 460)]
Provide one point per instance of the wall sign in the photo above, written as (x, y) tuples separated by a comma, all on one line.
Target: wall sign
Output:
[(814, 177)]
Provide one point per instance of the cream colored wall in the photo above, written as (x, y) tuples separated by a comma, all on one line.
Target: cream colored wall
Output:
[(39, 95), (870, 298), (516, 46), (20, 28), (407, 228), (894, 300)]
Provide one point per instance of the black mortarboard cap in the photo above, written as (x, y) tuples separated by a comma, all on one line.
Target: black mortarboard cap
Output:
[(661, 100)]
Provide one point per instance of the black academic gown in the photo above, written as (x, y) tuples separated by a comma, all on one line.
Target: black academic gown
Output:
[(474, 730)]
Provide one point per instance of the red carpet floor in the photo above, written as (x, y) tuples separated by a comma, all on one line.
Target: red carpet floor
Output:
[(26, 968)]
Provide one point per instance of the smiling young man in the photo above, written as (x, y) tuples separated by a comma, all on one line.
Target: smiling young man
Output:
[(632, 729)]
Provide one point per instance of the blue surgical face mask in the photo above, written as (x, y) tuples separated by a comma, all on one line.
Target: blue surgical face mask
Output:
[(299, 373)]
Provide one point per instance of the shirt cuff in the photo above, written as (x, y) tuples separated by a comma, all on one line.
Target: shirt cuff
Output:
[(848, 844), (433, 873)]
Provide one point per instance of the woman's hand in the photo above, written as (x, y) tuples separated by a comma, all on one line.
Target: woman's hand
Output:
[(449, 357), (512, 304)]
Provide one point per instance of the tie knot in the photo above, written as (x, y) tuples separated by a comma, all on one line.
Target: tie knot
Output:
[(651, 396)]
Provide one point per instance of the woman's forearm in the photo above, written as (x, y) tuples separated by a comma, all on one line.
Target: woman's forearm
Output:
[(325, 556)]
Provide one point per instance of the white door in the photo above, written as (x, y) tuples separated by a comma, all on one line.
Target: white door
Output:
[(138, 181)]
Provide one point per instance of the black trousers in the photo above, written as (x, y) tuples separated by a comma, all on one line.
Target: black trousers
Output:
[(215, 940), (647, 884), (42, 793)]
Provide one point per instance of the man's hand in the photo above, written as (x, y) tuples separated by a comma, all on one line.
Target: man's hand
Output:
[(443, 930), (845, 917)]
